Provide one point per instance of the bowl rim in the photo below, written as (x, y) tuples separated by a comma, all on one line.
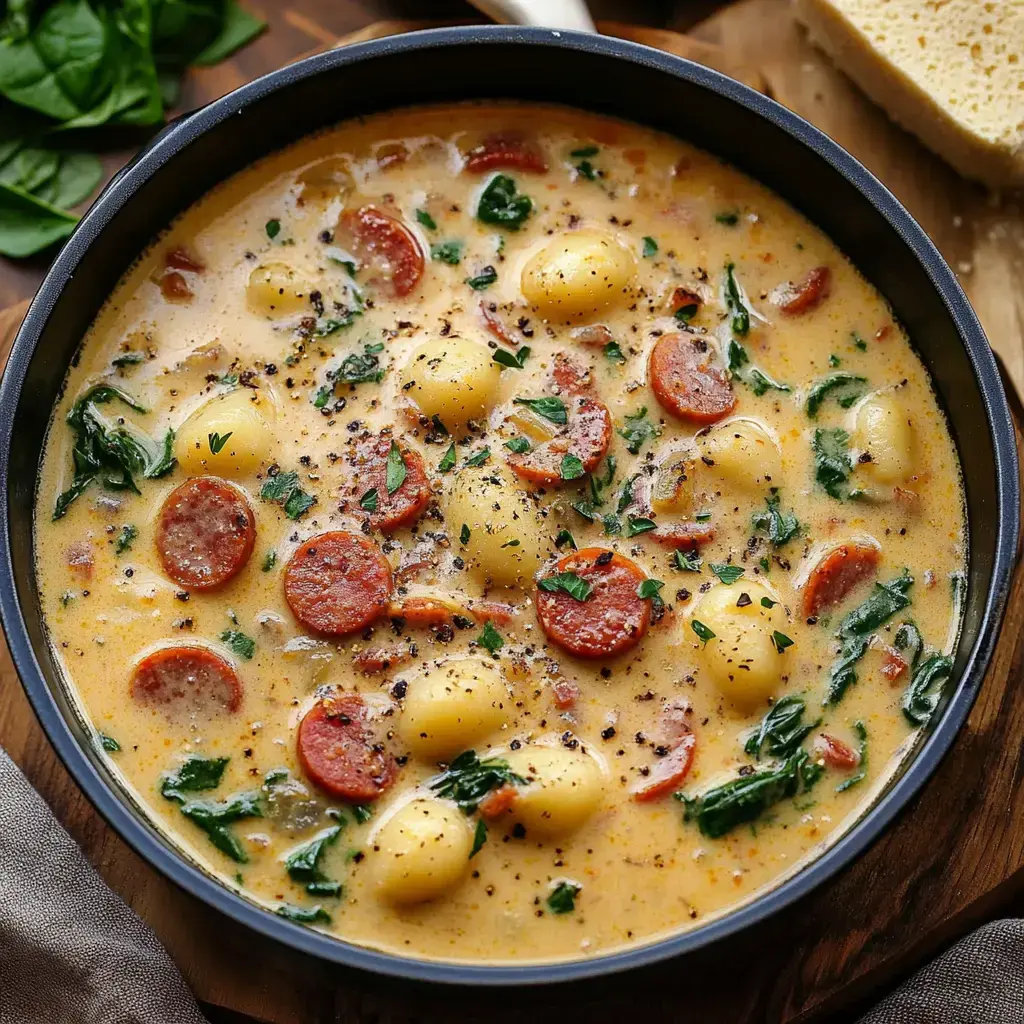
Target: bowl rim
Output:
[(140, 836)]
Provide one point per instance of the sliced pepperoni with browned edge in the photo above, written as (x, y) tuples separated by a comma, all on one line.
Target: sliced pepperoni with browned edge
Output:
[(368, 465), (384, 244), (611, 620), (186, 681), (684, 536), (667, 773), (205, 533), (586, 435), (341, 752), (687, 381), (837, 574), (508, 150), (337, 582), (806, 294)]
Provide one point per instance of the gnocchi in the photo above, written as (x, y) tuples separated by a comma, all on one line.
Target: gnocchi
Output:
[(452, 378), (421, 851), (579, 274), (744, 453), (886, 434), (563, 788), (230, 435), (277, 290), (453, 705)]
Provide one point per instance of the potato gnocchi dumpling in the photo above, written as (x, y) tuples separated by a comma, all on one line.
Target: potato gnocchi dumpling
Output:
[(742, 453), (579, 274), (742, 658), (564, 788), (230, 435), (278, 290), (421, 851), (886, 433), (507, 541), (452, 705), (452, 378)]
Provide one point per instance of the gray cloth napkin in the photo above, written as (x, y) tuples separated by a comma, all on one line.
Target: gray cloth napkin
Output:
[(979, 981), (71, 952)]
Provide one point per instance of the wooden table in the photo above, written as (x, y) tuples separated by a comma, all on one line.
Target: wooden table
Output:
[(953, 860)]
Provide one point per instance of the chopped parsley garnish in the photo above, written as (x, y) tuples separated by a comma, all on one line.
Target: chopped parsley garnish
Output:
[(650, 590), (273, 228), (449, 252), (242, 645), (368, 502), (562, 898), (739, 315), (730, 218), (270, 561), (426, 220), (689, 561), (781, 641), (552, 409), (513, 360), (486, 277), (613, 353), (124, 539), (395, 471), (361, 813), (635, 525), (479, 838), (447, 462), (217, 441), (780, 527), (464, 534), (501, 204), (567, 582), (361, 369), (859, 342), (478, 458), (846, 386), (650, 247), (517, 445), (491, 639), (467, 779), (283, 489), (108, 743), (831, 460), (638, 430), (702, 631), (571, 467), (566, 537)]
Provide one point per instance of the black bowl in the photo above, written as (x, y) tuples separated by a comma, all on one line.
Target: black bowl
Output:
[(618, 78)]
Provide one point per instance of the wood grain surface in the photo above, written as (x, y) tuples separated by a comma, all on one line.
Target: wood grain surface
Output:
[(955, 857)]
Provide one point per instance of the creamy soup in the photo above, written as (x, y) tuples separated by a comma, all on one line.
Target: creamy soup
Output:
[(499, 533)]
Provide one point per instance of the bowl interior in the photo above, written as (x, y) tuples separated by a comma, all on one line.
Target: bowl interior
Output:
[(642, 85)]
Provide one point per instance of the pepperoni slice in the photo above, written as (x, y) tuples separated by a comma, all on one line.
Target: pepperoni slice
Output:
[(495, 324), (369, 472), (836, 753), (380, 659), (684, 536), (384, 244), (668, 773), (611, 620), (798, 298), (205, 533), (189, 681), (687, 381), (340, 752), (837, 574), (505, 150), (497, 802), (337, 582)]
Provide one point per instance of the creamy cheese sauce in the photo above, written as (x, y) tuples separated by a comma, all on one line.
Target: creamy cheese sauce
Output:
[(245, 321)]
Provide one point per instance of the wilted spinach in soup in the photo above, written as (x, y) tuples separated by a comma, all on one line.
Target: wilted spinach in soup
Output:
[(498, 533)]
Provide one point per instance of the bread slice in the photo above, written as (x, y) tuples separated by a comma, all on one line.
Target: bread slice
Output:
[(950, 71)]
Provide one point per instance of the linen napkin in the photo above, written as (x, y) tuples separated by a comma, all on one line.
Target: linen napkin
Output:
[(71, 952)]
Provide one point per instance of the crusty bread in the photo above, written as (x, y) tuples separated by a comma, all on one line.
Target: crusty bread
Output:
[(950, 71)]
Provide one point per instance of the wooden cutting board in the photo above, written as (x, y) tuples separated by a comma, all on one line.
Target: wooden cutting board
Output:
[(953, 859)]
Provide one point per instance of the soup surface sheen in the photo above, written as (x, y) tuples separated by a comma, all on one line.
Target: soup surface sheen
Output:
[(512, 435)]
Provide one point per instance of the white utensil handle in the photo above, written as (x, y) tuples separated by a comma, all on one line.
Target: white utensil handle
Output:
[(571, 14)]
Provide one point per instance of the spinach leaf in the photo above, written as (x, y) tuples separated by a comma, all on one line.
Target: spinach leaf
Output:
[(303, 863), (638, 430), (755, 378), (490, 638), (862, 735), (214, 819), (303, 915), (501, 204), (28, 225), (125, 538), (395, 470), (739, 315), (571, 467), (517, 445), (478, 458), (283, 489), (613, 353), (108, 743), (831, 460), (569, 583), (781, 527), (847, 386), (513, 360), (237, 29), (783, 729), (552, 409), (727, 573), (242, 645), (562, 898), (447, 252), (467, 780), (486, 277), (908, 639), (922, 696), (447, 462), (741, 800), (194, 775), (479, 838), (650, 247), (113, 455)]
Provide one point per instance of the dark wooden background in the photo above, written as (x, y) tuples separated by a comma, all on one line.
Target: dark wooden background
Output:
[(952, 861)]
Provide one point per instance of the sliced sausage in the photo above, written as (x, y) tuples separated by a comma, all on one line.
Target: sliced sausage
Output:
[(79, 559), (368, 470), (340, 751), (570, 377), (508, 150), (806, 294), (686, 536), (566, 693), (682, 298), (611, 620), (181, 259), (380, 659), (384, 244), (496, 325), (687, 381), (667, 773), (837, 574), (593, 335), (836, 753), (185, 682), (205, 533), (337, 582), (893, 663), (498, 802)]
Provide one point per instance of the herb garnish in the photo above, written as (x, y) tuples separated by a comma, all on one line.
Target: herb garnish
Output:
[(635, 525), (426, 220), (478, 458), (638, 430), (688, 561), (368, 502), (568, 582), (782, 729), (217, 441), (273, 228), (270, 561), (447, 462), (650, 247), (517, 445), (283, 489), (303, 863), (108, 743), (491, 639), (781, 527), (242, 645), (571, 467), (848, 386), (613, 353), (479, 837), (513, 360), (501, 204), (447, 252), (702, 631), (467, 779), (395, 471), (739, 314), (552, 409), (562, 899), (727, 573), (303, 915), (486, 277), (124, 539), (566, 537)]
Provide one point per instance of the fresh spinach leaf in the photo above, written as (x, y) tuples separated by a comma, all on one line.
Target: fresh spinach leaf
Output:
[(846, 387), (283, 489), (739, 315), (782, 729), (922, 696), (303, 915), (832, 460), (513, 360), (638, 430), (483, 280), (862, 734), (571, 467), (194, 775), (501, 203), (467, 779), (303, 863), (727, 573), (214, 819), (562, 898), (552, 409), (781, 527), (395, 470)]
